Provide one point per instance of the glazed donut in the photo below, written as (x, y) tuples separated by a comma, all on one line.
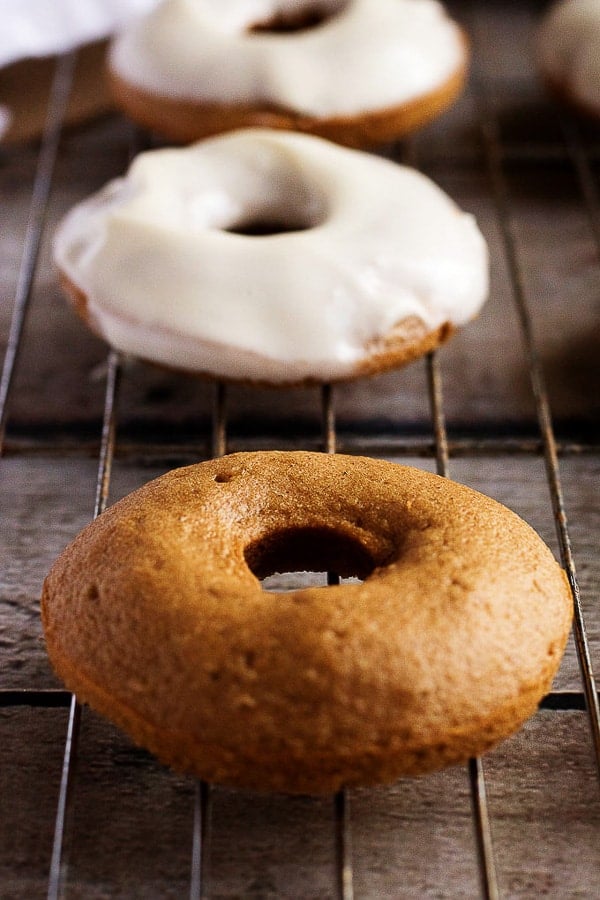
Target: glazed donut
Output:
[(355, 71), (155, 616), (568, 51), (364, 264)]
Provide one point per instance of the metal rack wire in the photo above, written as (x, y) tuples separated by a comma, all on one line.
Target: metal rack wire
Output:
[(439, 447)]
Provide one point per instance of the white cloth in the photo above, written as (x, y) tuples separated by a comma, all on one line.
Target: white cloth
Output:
[(45, 27)]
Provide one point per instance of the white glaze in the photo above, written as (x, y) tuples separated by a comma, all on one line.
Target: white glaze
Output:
[(371, 54), (568, 46), (166, 281)]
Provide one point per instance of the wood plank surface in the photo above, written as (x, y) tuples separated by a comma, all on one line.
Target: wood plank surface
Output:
[(130, 825)]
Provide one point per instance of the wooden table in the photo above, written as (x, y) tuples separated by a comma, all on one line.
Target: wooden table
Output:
[(525, 374)]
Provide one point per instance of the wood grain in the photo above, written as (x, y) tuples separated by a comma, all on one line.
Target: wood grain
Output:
[(130, 832)]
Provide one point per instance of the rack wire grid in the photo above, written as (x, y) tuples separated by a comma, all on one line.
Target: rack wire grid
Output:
[(510, 406)]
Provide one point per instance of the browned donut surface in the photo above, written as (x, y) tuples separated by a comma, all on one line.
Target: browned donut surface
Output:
[(186, 121), (155, 615)]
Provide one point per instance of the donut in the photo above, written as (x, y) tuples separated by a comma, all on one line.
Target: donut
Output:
[(156, 617), (359, 72), (568, 52), (25, 87), (272, 257)]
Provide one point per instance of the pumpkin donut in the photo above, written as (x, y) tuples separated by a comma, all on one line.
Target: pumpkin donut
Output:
[(266, 256), (155, 615), (358, 72), (568, 53)]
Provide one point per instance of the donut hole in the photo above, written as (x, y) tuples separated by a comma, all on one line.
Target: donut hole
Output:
[(297, 207), (262, 191), (312, 15), (267, 227), (308, 550)]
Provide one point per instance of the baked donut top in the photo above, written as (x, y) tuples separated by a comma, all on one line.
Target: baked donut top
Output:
[(156, 616), (171, 270), (362, 54), (568, 47)]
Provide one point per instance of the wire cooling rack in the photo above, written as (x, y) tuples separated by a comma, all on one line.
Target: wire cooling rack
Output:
[(84, 814)]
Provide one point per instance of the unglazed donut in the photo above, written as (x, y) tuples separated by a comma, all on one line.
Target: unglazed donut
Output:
[(355, 71), (568, 50), (155, 616), (368, 266)]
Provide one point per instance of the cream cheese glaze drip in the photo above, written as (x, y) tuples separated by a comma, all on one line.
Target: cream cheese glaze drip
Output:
[(364, 55), (168, 277), (568, 47)]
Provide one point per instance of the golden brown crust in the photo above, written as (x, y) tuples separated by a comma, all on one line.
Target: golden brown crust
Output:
[(186, 121), (407, 341), (155, 617)]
